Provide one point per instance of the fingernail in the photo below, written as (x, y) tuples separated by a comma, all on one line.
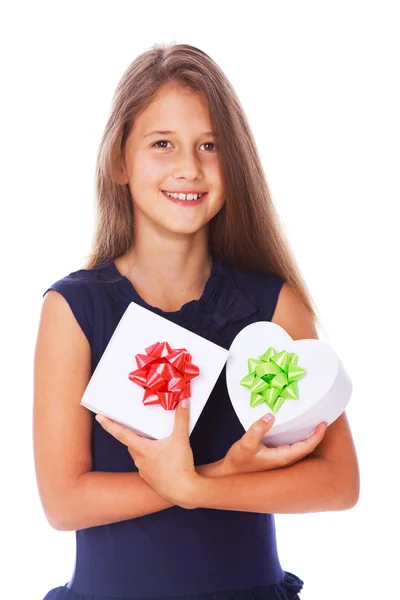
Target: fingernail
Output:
[(269, 417), (99, 419), (185, 402)]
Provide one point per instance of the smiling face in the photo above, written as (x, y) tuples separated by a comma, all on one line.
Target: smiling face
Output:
[(183, 158)]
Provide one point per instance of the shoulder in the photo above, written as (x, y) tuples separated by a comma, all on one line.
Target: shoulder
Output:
[(292, 314), (76, 289), (277, 301), (76, 282)]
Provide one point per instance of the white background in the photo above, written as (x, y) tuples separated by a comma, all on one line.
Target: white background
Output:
[(319, 82)]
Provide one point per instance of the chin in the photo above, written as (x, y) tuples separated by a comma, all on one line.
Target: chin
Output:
[(184, 230), (180, 226)]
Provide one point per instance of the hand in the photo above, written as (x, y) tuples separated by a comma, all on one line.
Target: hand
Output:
[(248, 454), (166, 465)]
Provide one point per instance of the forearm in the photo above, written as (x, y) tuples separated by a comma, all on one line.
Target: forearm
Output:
[(100, 498), (310, 485)]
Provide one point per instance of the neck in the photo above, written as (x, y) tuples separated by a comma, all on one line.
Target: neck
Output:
[(167, 273)]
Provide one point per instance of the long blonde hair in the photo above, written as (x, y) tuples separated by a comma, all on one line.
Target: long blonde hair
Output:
[(246, 233)]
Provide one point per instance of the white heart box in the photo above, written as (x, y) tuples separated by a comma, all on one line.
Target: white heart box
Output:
[(323, 391), (111, 392)]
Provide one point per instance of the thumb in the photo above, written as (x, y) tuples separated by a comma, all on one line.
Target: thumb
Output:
[(181, 422), (253, 436)]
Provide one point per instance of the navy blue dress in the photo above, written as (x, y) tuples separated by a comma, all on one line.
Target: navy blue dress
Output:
[(201, 554)]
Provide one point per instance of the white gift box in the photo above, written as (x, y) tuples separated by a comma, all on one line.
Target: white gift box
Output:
[(110, 391), (323, 390)]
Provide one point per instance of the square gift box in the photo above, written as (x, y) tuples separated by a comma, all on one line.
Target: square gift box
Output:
[(111, 392), (301, 382)]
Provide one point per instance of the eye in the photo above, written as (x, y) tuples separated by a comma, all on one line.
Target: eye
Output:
[(155, 145), (160, 142), (210, 144)]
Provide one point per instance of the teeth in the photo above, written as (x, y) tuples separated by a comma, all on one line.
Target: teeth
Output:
[(184, 196)]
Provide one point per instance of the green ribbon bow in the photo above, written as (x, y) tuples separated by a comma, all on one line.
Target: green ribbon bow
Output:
[(272, 378)]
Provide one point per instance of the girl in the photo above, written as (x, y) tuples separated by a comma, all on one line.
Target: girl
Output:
[(186, 228)]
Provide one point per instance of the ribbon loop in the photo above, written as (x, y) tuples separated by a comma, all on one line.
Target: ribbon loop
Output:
[(272, 378), (165, 374)]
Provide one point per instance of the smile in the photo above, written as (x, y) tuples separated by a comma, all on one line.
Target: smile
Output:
[(183, 196), (185, 200)]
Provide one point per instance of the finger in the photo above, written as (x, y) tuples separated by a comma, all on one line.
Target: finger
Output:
[(253, 436), (181, 422), (301, 449), (121, 433), (318, 433)]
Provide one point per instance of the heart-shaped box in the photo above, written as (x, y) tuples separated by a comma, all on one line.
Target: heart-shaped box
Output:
[(323, 391)]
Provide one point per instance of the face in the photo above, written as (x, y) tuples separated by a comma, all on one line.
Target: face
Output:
[(184, 160)]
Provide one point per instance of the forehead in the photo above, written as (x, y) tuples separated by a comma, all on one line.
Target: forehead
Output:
[(174, 109)]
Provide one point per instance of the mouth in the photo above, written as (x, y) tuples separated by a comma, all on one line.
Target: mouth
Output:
[(183, 202)]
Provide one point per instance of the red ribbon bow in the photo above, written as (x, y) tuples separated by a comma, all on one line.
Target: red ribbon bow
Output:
[(164, 374)]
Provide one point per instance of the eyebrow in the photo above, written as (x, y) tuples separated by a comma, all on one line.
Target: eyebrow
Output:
[(172, 132)]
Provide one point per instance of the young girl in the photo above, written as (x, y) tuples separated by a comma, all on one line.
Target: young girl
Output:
[(186, 228)]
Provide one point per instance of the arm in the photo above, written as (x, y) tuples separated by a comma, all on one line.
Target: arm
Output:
[(326, 479), (100, 498), (72, 495), (316, 483)]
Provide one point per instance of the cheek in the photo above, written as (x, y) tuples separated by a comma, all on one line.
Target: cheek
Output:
[(148, 168), (214, 177)]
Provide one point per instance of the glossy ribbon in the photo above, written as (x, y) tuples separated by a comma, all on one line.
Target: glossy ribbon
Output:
[(272, 378), (165, 374)]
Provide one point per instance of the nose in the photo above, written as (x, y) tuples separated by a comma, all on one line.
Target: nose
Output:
[(187, 165)]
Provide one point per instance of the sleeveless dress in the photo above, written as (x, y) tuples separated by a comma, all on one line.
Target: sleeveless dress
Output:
[(201, 554)]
